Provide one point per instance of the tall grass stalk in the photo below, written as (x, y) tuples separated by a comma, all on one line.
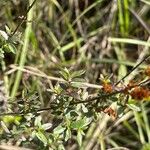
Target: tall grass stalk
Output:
[(146, 122), (24, 51), (138, 122), (126, 16), (121, 18)]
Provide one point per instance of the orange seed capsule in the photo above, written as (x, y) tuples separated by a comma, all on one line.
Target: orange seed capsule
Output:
[(139, 93), (107, 87)]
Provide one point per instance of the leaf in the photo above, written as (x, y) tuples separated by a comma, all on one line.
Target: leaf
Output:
[(3, 35), (85, 95), (80, 124), (41, 137), (4, 127), (133, 107), (120, 111), (1, 53), (7, 29), (17, 120), (78, 80), (61, 147), (114, 99), (63, 86), (77, 84), (77, 73), (9, 48), (85, 110), (59, 130), (77, 124), (47, 126), (67, 134), (37, 121), (33, 134), (79, 137), (73, 113), (9, 119), (12, 48), (65, 74)]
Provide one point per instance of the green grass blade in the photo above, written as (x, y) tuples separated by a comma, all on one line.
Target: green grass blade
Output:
[(24, 52), (126, 16), (140, 130), (146, 122), (128, 41), (121, 18)]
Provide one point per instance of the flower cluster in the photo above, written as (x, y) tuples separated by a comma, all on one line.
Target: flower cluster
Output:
[(107, 88), (111, 112), (140, 93)]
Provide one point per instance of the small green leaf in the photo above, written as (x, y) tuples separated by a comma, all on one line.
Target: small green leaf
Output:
[(12, 48), (47, 126), (1, 53), (66, 70), (80, 124), (77, 124), (9, 119), (77, 73), (133, 107), (121, 111), (67, 134), (72, 113), (114, 99), (85, 95), (4, 127), (7, 29), (63, 86), (3, 35), (77, 84), (41, 137), (59, 130), (79, 137), (33, 134), (37, 121), (85, 110), (78, 80), (8, 47), (61, 147), (65, 74)]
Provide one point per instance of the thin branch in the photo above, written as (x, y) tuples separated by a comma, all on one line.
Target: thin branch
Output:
[(103, 96), (24, 113), (23, 19), (38, 73), (73, 103), (144, 59)]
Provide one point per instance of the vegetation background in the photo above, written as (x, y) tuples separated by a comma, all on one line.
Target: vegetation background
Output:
[(45, 47)]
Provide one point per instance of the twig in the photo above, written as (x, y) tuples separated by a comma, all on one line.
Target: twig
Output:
[(23, 19), (24, 113), (144, 59), (73, 103), (96, 97), (77, 102), (38, 73)]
